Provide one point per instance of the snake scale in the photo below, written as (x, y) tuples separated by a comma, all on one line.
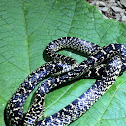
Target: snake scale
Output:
[(104, 63)]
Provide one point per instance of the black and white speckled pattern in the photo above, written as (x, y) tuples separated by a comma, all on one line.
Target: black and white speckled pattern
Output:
[(61, 63), (86, 100)]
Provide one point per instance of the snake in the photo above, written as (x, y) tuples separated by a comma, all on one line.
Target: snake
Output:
[(97, 55)]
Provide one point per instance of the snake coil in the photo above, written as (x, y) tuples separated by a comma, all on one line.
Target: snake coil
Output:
[(104, 63)]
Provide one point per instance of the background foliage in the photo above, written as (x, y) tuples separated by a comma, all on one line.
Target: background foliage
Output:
[(27, 26)]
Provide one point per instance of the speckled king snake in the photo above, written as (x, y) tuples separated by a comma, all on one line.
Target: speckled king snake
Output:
[(104, 63)]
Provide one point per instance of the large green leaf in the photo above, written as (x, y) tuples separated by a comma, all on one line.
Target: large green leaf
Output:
[(27, 26)]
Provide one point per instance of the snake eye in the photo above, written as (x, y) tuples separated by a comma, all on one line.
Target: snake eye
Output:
[(51, 46)]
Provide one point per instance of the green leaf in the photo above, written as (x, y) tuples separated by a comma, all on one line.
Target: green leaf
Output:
[(27, 26)]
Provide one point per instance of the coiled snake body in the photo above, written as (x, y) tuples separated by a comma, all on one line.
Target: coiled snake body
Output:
[(113, 54)]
